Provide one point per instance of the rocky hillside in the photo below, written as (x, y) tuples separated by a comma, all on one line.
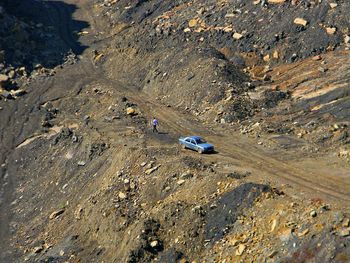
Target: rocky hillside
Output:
[(84, 179), (226, 58), (30, 45)]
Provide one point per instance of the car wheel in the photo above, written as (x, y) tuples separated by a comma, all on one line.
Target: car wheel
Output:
[(200, 151), (183, 146)]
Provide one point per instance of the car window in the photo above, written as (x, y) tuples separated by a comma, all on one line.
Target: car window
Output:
[(200, 140), (192, 141), (187, 140)]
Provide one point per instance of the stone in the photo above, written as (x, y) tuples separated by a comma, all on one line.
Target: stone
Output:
[(276, 1), (286, 235), (272, 254), (345, 232), (346, 222), (240, 250), (186, 175), (303, 233), (181, 182), (300, 21), (55, 214), (313, 213), (154, 243), (151, 170), (81, 163), (192, 23), (333, 5), (266, 58), (78, 212), (131, 111), (331, 30), (322, 70), (237, 36), (3, 78), (233, 242), (122, 196), (18, 93), (11, 74), (347, 39), (38, 249), (274, 225), (316, 58), (5, 94)]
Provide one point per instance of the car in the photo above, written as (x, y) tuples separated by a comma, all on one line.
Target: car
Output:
[(196, 143)]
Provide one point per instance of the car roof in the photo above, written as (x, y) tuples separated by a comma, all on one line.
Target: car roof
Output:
[(194, 137)]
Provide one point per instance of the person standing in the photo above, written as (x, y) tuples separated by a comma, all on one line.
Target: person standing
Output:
[(155, 124)]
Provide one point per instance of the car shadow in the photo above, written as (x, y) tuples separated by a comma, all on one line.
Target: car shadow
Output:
[(205, 153), (39, 32)]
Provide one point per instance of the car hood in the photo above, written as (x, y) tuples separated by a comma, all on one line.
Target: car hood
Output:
[(205, 145)]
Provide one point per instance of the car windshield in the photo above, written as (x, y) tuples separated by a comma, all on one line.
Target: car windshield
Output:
[(200, 140)]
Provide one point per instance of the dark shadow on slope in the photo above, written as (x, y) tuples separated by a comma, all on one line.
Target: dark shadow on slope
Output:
[(223, 213), (39, 32)]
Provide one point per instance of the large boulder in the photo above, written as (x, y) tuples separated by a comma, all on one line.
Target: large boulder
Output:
[(4, 80)]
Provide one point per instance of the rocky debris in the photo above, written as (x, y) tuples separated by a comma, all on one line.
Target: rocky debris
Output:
[(56, 214), (18, 93), (300, 21), (122, 195), (238, 175), (344, 232), (38, 249), (347, 39), (215, 43), (230, 205), (181, 182), (172, 215), (3, 80), (237, 36), (331, 30), (25, 42), (152, 169), (78, 212), (81, 163), (5, 94), (97, 149), (150, 245), (131, 111), (276, 1), (313, 213), (240, 249)]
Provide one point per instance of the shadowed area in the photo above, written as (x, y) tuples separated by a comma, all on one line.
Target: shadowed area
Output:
[(31, 33), (40, 32)]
